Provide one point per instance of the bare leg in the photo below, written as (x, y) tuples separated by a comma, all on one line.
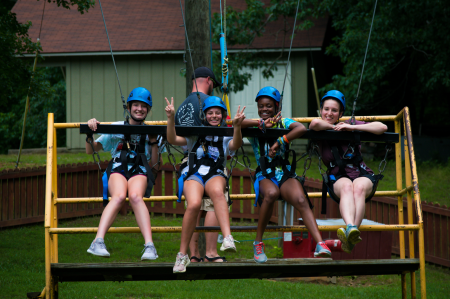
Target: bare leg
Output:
[(362, 187), (270, 194), (215, 188), (211, 238), (344, 189), (117, 186), (193, 245), (136, 190), (193, 191), (292, 192)]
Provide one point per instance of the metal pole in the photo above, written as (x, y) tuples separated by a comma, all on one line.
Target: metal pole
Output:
[(48, 207), (408, 182), (284, 212), (316, 91), (399, 174), (415, 182)]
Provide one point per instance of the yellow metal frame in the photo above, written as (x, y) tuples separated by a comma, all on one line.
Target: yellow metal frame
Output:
[(411, 190)]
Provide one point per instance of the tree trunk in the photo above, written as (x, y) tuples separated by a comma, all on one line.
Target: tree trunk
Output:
[(197, 26)]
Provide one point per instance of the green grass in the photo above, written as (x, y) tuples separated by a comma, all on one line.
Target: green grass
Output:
[(432, 175), (22, 269)]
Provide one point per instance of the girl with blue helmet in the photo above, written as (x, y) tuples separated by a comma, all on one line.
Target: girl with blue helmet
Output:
[(275, 177), (350, 182), (204, 174), (128, 173)]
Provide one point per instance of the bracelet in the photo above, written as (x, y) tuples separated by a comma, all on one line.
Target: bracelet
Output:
[(285, 139), (262, 125), (153, 143), (280, 141)]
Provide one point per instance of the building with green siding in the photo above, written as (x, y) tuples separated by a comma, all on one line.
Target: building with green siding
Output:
[(148, 45)]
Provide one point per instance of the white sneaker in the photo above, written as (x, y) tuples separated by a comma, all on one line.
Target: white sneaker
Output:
[(181, 263), (98, 248), (228, 244), (149, 252)]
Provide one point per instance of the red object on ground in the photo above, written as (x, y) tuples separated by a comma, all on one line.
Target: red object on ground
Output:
[(334, 245), (298, 245)]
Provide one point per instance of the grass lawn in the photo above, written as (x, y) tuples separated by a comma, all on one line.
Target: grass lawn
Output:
[(432, 175), (22, 269)]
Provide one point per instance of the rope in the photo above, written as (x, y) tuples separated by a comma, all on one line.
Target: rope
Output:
[(201, 114), (352, 119), (27, 103), (289, 56), (125, 110), (210, 42)]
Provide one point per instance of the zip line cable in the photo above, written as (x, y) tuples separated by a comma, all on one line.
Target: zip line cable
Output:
[(289, 56), (125, 110), (313, 74), (201, 114), (353, 120), (27, 103)]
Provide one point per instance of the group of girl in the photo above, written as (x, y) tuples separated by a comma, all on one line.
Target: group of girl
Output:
[(205, 173)]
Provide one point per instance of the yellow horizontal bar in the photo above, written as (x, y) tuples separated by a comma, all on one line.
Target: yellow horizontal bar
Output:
[(232, 196), (177, 229), (298, 119)]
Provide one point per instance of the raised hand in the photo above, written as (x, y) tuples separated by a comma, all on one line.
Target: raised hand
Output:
[(170, 110), (272, 121), (239, 117), (92, 124), (274, 149)]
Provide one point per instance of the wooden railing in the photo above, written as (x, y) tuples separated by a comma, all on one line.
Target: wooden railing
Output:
[(22, 202)]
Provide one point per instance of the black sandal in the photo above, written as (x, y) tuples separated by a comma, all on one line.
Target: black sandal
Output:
[(213, 259), (196, 259)]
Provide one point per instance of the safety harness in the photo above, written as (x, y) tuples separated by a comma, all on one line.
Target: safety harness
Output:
[(278, 161), (350, 157), (127, 147), (204, 146)]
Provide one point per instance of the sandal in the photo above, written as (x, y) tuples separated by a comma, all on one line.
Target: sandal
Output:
[(213, 259), (196, 259)]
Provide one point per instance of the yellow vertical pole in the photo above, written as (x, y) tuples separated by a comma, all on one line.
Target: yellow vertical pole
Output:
[(408, 182), (415, 183), (316, 91), (55, 196), (399, 172), (48, 206)]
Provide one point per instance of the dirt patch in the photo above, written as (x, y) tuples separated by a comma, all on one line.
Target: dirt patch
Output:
[(349, 281)]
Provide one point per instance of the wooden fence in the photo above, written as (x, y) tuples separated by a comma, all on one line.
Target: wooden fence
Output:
[(22, 202)]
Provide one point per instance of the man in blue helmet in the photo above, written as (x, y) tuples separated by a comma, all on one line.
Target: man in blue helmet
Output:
[(188, 114), (128, 172), (348, 179)]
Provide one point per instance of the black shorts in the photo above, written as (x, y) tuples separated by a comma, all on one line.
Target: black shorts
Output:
[(371, 177), (137, 171)]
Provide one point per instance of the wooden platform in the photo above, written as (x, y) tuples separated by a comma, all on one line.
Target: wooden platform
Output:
[(234, 270)]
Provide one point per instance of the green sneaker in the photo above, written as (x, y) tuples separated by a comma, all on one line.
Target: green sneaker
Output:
[(353, 234), (346, 245)]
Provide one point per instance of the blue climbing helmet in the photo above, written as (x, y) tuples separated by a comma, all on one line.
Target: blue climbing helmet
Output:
[(211, 102), (270, 92), (336, 95), (140, 94)]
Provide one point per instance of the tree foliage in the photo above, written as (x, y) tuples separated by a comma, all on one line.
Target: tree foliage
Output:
[(408, 61), (46, 89)]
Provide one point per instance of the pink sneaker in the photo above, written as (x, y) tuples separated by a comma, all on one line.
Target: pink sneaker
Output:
[(228, 244), (181, 263)]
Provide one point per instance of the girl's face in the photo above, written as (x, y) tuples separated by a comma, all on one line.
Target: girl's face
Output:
[(138, 110), (266, 107), (331, 111), (214, 116)]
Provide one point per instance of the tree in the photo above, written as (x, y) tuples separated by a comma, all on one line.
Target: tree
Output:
[(47, 89), (408, 61)]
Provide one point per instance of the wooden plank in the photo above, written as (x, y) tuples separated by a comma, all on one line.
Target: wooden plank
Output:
[(5, 199), (360, 250), (385, 245), (69, 190), (23, 221), (445, 237), (373, 250), (11, 199), (436, 236), (236, 207), (430, 234), (41, 195), (22, 200), (63, 191), (29, 203), (16, 198), (168, 183), (241, 270)]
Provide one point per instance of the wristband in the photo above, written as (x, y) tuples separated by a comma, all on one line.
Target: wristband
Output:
[(285, 139), (280, 141), (153, 143)]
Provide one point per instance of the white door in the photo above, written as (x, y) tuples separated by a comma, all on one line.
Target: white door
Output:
[(247, 96)]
